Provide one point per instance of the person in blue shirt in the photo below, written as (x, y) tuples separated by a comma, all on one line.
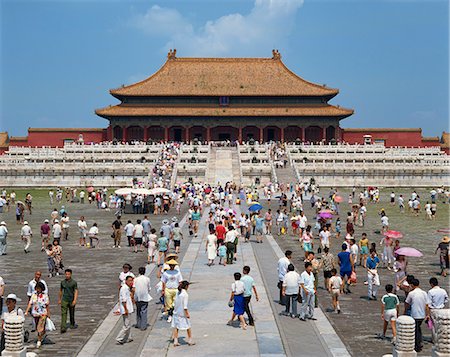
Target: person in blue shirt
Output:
[(259, 227), (346, 266), (249, 286), (373, 279)]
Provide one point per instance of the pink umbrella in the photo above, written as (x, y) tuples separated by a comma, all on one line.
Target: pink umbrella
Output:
[(338, 199), (393, 234), (444, 230), (408, 252), (325, 215), (90, 189)]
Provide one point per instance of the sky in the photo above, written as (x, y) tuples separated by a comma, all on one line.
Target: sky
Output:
[(389, 59)]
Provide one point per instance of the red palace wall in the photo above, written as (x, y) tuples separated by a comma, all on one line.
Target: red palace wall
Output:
[(391, 137), (55, 138)]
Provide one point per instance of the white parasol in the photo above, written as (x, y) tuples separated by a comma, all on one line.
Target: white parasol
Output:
[(125, 191)]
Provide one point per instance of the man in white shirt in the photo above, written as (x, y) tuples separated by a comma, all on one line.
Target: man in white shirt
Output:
[(126, 309), (3, 235), (437, 299), (308, 293), (57, 230), (291, 284), (417, 299), (65, 226), (325, 237), (142, 298), (302, 222), (283, 264), (82, 228), (93, 235), (230, 238), (31, 289), (129, 229), (26, 234)]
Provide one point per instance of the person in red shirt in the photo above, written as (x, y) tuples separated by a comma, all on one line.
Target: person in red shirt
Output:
[(220, 233)]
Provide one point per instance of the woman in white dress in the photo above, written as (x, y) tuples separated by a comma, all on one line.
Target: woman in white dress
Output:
[(151, 245), (181, 316), (211, 245)]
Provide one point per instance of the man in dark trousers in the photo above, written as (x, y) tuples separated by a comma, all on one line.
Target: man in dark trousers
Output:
[(68, 295), (249, 285)]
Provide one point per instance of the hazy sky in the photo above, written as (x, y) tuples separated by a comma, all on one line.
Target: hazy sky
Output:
[(389, 59)]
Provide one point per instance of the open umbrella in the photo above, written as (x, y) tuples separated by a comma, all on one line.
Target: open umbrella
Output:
[(141, 191), (325, 215), (125, 191), (408, 252), (159, 191), (444, 230), (393, 234), (255, 206), (90, 189), (338, 199)]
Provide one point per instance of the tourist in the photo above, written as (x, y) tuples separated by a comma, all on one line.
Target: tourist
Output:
[(128, 230), (327, 264), (259, 227), (387, 256), (222, 253), (237, 301), (117, 232), (290, 291), (26, 234), (437, 300), (373, 279), (325, 237), (126, 309), (147, 227), (56, 231), (52, 271), (350, 228), (308, 292), (51, 195), (3, 236), (82, 228), (93, 235), (400, 266), (231, 238), (364, 249), (354, 251), (54, 215), (181, 316), (196, 216), (171, 278), (307, 240), (142, 297), (68, 296), (2, 292), (39, 304), (268, 221), (57, 256), (401, 204), (31, 288), (65, 225), (338, 227), (335, 287), (427, 209), (82, 195), (417, 300), (138, 236), (346, 266), (283, 264), (163, 246), (443, 247), (389, 311), (151, 249), (177, 236), (211, 245), (11, 310), (45, 234), (249, 285)]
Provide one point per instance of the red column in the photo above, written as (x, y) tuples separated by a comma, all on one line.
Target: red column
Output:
[(109, 133), (240, 135), (282, 135), (324, 133), (208, 134), (145, 133), (302, 134), (187, 134), (166, 134), (261, 135), (124, 134)]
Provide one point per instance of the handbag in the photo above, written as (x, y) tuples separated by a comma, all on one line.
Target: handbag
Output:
[(352, 279), (49, 325), (230, 303)]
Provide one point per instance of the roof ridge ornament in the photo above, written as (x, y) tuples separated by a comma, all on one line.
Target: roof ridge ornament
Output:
[(276, 55), (172, 54)]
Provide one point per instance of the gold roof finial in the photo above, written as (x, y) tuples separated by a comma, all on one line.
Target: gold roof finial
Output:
[(172, 54), (276, 55)]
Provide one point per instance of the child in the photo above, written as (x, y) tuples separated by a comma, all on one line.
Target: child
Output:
[(389, 311), (50, 261), (222, 254), (338, 228), (335, 287)]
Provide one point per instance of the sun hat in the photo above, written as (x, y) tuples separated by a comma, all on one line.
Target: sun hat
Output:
[(2, 223), (446, 239), (174, 219), (13, 297), (56, 221), (172, 262), (25, 223), (165, 221), (46, 221)]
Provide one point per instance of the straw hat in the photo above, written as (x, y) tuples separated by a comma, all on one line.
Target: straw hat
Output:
[(172, 262), (171, 256), (446, 239)]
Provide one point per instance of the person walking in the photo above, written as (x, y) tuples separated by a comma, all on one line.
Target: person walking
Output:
[(56, 231), (417, 300), (335, 287), (211, 245), (249, 286), (65, 226), (126, 309), (11, 310), (151, 241), (346, 266), (308, 292), (291, 285), (68, 296), (93, 235), (237, 301), (26, 234), (142, 297), (373, 279), (117, 232), (327, 264), (181, 316), (283, 264), (437, 299), (39, 305), (45, 234), (389, 311), (171, 278), (443, 248), (230, 239), (82, 228), (3, 236)]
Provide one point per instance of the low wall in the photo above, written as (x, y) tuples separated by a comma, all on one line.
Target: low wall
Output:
[(66, 181)]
